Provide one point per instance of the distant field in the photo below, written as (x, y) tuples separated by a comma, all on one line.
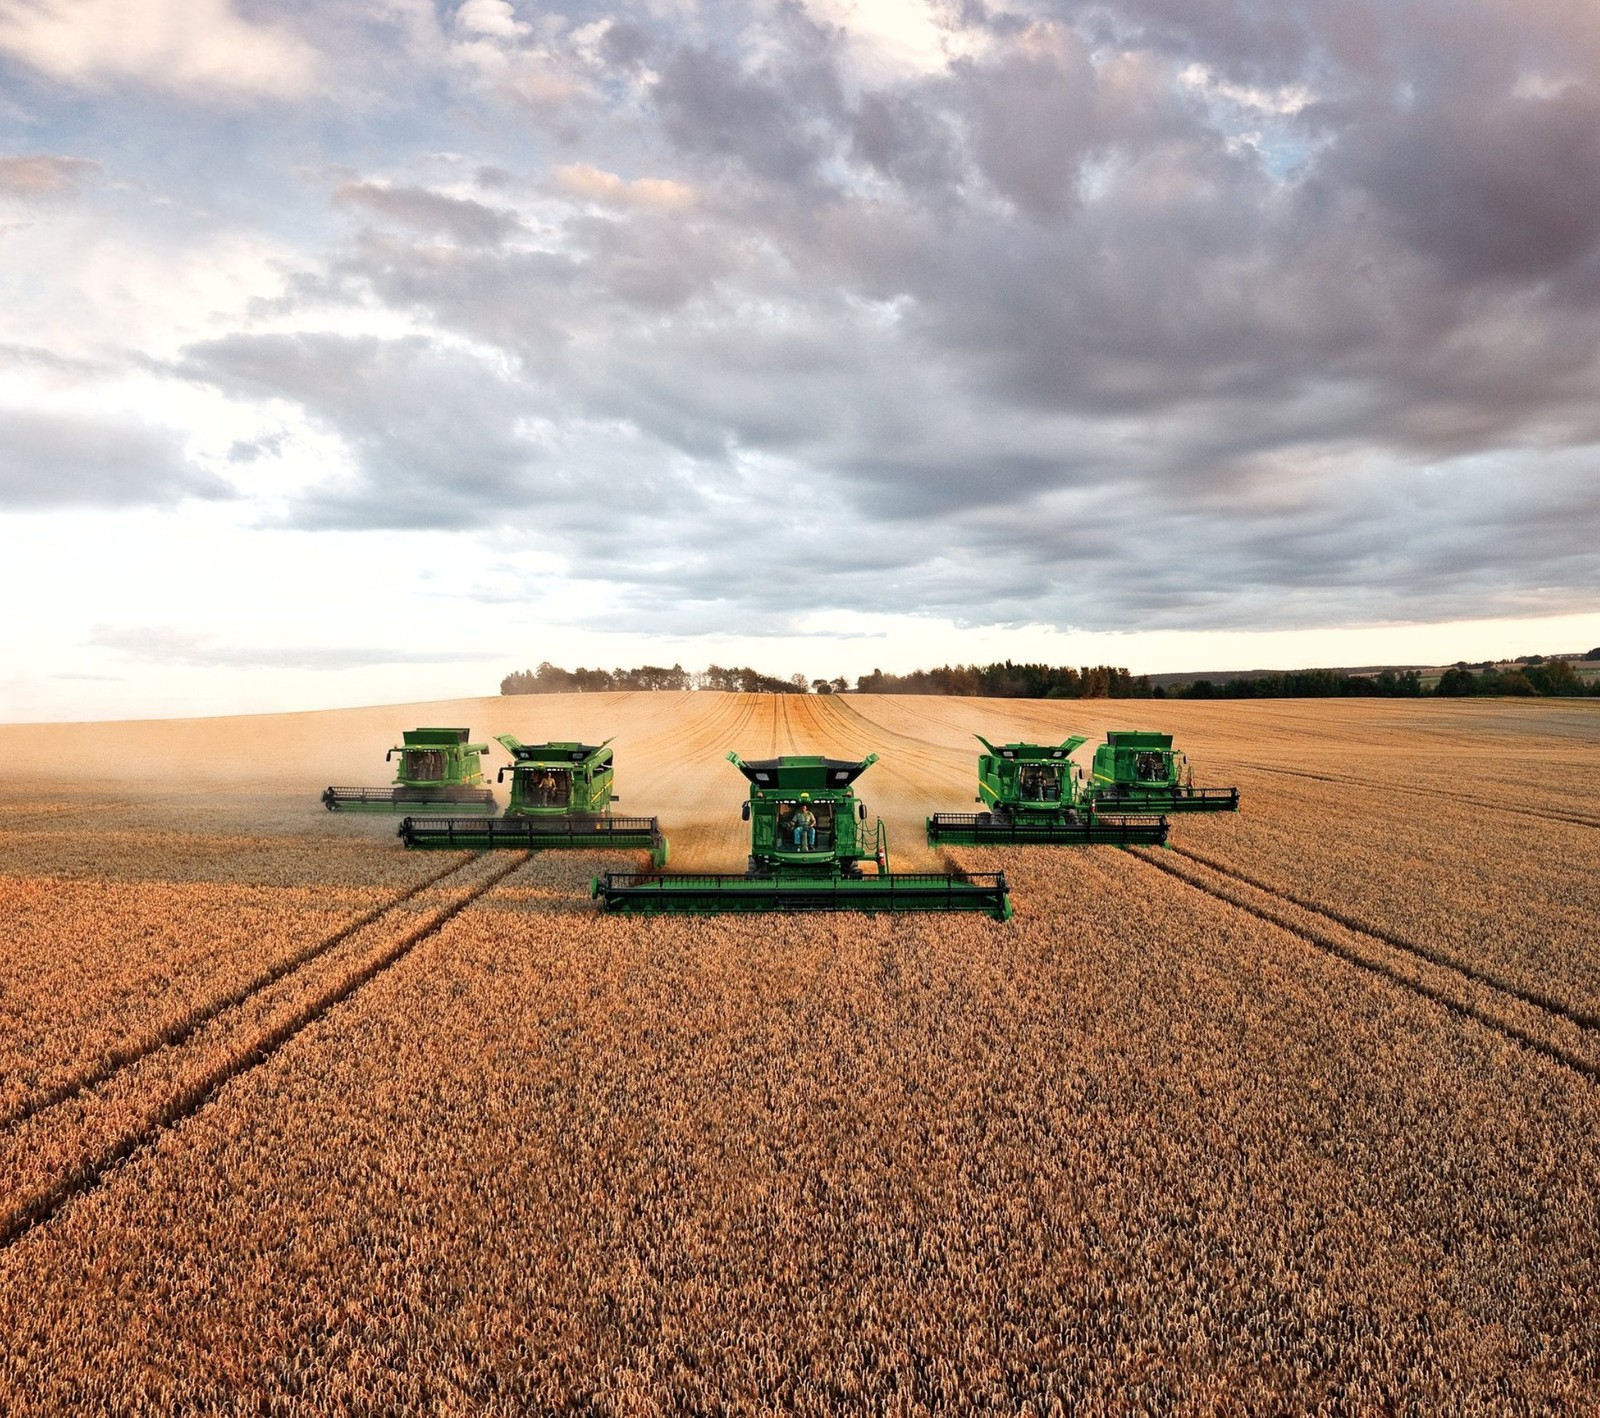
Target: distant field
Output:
[(1303, 1110)]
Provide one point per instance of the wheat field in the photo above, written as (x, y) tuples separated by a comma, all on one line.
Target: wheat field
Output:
[(1299, 1114)]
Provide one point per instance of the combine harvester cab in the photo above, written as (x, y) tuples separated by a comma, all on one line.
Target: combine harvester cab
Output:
[(809, 837), (560, 797), (1139, 771), (1030, 795), (438, 768)]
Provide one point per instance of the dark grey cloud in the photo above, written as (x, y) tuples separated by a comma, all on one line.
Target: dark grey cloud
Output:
[(778, 119), (1155, 312), (165, 645), (1031, 117), (439, 437), (908, 141), (470, 223), (55, 460), (1468, 180), (434, 434)]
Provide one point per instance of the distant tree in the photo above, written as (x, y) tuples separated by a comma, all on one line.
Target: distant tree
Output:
[(822, 686), (1457, 681), (552, 679), (1514, 682), (1398, 684), (754, 682), (1555, 677), (1594, 654)]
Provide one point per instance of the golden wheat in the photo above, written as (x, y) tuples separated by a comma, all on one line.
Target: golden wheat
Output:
[(1142, 1149)]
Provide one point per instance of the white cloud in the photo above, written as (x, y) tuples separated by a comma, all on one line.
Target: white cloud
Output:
[(890, 39), (1282, 102), (179, 45), (1543, 87), (594, 184), (491, 17), (131, 287)]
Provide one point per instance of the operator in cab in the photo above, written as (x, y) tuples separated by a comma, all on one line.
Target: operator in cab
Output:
[(805, 826)]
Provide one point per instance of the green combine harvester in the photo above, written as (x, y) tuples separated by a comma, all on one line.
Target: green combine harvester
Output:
[(560, 797), (1030, 795), (1138, 771), (438, 768), (808, 839)]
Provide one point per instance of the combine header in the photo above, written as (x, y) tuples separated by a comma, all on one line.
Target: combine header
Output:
[(1030, 792), (560, 797), (808, 839), (1138, 771), (438, 768)]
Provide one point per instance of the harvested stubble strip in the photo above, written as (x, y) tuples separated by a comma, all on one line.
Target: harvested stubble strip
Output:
[(1537, 1023), (96, 1038), (94, 973), (1488, 891), (64, 1149), (91, 851)]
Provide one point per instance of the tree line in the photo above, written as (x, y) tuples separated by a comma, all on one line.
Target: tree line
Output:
[(552, 679), (1531, 675), (1012, 681), (999, 681), (1302, 684)]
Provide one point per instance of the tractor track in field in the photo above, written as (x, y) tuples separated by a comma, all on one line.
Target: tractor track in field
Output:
[(1526, 1017), (1541, 814), (32, 816), (920, 751), (117, 1117), (914, 766), (781, 729), (177, 1032)]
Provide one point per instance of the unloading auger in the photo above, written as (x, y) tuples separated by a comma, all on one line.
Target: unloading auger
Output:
[(1030, 794), (1136, 770), (438, 768), (809, 837), (560, 797)]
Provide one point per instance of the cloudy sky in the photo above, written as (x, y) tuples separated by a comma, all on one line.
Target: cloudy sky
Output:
[(363, 350)]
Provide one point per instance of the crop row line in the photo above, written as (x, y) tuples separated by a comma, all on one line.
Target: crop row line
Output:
[(1583, 1019), (1230, 894), (178, 1031), (1542, 814), (239, 1056)]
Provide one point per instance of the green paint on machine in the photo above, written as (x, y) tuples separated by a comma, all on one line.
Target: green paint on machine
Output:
[(1030, 795), (809, 839), (1138, 770), (560, 798), (438, 768)]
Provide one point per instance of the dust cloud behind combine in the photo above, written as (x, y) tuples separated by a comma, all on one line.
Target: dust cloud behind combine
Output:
[(254, 774)]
